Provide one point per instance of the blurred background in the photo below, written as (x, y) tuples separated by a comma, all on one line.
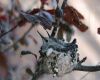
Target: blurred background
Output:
[(88, 42)]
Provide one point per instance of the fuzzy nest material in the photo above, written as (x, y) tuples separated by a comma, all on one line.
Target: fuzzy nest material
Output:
[(57, 57)]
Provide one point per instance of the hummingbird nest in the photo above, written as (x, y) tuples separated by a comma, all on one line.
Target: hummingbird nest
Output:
[(56, 56)]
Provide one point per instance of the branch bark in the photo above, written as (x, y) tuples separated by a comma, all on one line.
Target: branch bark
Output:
[(87, 68)]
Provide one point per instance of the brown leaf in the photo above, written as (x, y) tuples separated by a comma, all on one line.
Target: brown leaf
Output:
[(82, 27), (73, 17), (74, 12)]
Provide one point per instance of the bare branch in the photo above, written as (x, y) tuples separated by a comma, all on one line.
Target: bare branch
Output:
[(8, 31), (87, 68), (63, 4)]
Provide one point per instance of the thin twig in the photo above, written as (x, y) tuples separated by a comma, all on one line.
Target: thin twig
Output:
[(57, 20), (12, 29), (54, 29), (87, 68), (63, 4), (8, 31)]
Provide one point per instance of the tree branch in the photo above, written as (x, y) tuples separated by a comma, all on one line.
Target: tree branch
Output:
[(87, 68), (64, 4), (8, 31)]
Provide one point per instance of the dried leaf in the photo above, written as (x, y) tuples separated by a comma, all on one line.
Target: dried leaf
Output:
[(82, 27), (74, 12), (73, 17)]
